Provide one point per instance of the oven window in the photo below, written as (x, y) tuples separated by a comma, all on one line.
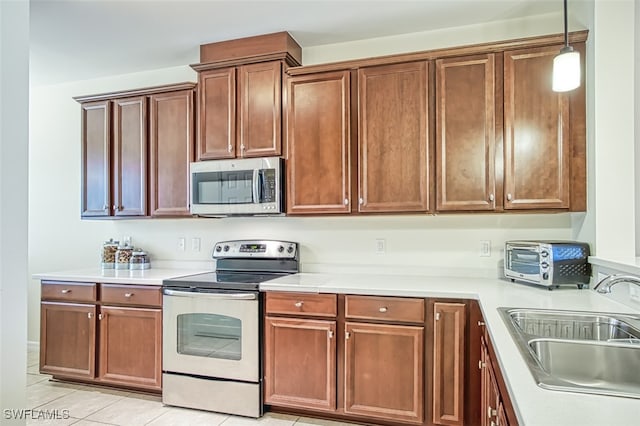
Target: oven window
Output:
[(525, 261), (210, 336), (235, 187)]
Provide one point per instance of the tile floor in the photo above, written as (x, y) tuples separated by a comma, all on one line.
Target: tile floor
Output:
[(84, 405)]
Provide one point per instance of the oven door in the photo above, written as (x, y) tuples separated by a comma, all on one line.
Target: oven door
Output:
[(523, 262), (211, 334)]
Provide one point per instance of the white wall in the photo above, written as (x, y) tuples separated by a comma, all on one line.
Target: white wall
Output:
[(14, 137), (420, 244)]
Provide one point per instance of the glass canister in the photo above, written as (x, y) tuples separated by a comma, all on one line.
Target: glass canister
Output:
[(123, 254), (109, 249), (139, 260)]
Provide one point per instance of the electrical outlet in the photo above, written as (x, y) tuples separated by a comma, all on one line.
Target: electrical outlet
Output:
[(181, 244), (485, 248), (195, 244), (381, 246)]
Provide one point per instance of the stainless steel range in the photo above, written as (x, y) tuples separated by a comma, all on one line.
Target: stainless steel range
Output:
[(212, 328)]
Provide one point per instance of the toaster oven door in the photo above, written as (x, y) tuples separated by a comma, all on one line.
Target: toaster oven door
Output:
[(524, 263)]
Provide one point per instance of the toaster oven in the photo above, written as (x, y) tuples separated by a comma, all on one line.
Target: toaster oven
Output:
[(547, 263)]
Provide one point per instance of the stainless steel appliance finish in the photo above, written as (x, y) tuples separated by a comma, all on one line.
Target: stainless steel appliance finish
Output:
[(574, 351), (212, 328), (244, 186), (547, 263)]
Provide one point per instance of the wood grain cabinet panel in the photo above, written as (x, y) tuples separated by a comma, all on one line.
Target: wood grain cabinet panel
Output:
[(302, 304), (130, 156), (448, 363), (300, 363), (465, 133), (139, 295), (96, 162), (171, 131), (398, 309), (68, 339), (537, 140), (393, 138), (260, 109), (318, 140), (70, 292), (384, 371), (131, 346), (217, 114)]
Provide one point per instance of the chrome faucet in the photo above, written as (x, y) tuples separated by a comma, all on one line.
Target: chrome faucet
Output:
[(605, 285)]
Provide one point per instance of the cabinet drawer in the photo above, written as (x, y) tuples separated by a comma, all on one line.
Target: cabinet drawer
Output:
[(385, 308), (70, 291), (322, 305), (130, 295)]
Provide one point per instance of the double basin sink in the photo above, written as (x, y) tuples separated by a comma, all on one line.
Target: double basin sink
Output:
[(575, 351)]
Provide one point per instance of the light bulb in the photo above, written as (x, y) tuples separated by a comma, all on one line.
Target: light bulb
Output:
[(566, 70)]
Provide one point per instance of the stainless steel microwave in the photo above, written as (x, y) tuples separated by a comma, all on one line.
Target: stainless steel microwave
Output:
[(244, 186), (547, 263)]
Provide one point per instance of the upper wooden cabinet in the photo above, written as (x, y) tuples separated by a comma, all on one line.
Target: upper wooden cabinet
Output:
[(217, 114), (466, 133), (393, 156), (136, 150), (318, 138), (537, 142)]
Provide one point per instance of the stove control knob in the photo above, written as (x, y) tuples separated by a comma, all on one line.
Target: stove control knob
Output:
[(218, 249), (290, 249), (280, 249), (544, 253), (226, 248)]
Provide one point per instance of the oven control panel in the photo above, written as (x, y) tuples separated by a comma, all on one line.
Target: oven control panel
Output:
[(269, 249)]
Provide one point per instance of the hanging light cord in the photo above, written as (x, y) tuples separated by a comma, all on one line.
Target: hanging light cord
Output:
[(566, 30)]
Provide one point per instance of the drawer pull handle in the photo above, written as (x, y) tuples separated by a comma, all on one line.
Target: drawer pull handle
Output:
[(298, 304), (89, 315), (65, 291), (128, 294), (480, 323), (383, 309), (330, 334), (491, 412), (481, 365)]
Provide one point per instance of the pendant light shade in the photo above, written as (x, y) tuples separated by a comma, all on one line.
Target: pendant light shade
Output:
[(566, 65)]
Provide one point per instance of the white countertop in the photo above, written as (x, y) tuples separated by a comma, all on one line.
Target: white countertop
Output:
[(153, 276), (533, 405), (629, 265)]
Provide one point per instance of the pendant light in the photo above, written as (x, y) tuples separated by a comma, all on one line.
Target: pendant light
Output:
[(566, 65)]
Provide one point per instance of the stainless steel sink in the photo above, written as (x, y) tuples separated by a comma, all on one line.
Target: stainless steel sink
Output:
[(577, 351)]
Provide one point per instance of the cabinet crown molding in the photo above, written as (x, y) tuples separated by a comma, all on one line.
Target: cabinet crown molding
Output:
[(136, 92)]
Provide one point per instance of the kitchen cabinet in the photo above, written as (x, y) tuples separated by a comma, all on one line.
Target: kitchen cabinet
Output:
[(393, 154), (319, 141), (136, 150), (466, 114), (300, 351), (115, 338), (240, 111), (448, 363), (171, 133)]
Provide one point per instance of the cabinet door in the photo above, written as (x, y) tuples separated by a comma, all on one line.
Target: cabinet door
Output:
[(384, 371), (392, 148), (96, 165), (131, 346), (465, 133), (259, 106), (536, 126), (217, 114), (448, 363), (68, 339), (318, 138), (489, 394), (171, 152), (300, 363), (130, 156)]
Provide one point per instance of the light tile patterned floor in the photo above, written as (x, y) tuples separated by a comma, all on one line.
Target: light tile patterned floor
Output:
[(84, 405)]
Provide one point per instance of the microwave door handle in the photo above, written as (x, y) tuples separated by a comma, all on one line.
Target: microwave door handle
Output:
[(256, 185), (219, 296)]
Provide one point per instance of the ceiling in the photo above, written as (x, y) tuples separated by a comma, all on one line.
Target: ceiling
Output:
[(83, 39)]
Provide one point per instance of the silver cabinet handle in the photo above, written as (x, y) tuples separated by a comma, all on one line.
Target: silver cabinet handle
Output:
[(490, 197), (65, 291), (383, 309), (509, 197), (481, 365), (480, 323), (491, 412), (361, 201), (242, 147), (100, 316), (346, 201), (230, 148), (89, 315), (437, 316), (128, 295), (330, 333), (347, 335), (298, 304)]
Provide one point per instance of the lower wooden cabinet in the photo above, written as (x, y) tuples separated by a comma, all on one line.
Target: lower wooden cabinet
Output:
[(68, 339), (118, 343), (496, 407), (300, 370), (131, 346), (384, 371)]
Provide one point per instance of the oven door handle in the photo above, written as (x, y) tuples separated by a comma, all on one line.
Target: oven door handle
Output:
[(219, 296)]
